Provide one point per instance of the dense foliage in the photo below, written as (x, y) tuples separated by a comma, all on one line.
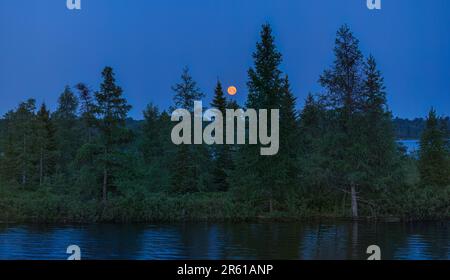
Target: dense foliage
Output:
[(338, 156)]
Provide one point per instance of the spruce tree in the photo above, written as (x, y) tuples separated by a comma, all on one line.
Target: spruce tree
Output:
[(87, 111), (112, 110), (345, 98), (263, 179), (222, 160), (156, 149), (190, 162), (434, 155), (67, 131), (362, 146), (289, 129), (311, 118), (19, 151), (46, 143), (382, 158), (186, 92), (151, 145), (312, 149)]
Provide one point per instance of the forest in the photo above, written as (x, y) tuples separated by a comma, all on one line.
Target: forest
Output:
[(88, 162)]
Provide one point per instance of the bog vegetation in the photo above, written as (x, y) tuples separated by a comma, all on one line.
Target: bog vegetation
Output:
[(338, 156)]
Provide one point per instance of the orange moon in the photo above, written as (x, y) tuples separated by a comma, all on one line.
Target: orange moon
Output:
[(232, 90)]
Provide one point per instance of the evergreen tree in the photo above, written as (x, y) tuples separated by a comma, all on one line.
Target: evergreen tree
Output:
[(156, 149), (345, 97), (362, 143), (289, 129), (311, 118), (232, 104), (112, 110), (382, 157), (45, 141), (222, 160), (374, 89), (186, 92), (312, 150), (19, 151), (263, 178), (190, 162), (344, 80), (87, 111), (185, 178), (434, 155), (151, 144), (67, 130), (265, 77)]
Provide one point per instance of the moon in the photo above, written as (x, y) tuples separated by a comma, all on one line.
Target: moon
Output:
[(232, 90)]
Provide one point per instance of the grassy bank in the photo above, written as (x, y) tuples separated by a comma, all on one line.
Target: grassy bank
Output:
[(47, 207)]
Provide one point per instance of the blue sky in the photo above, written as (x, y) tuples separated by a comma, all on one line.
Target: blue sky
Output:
[(44, 46)]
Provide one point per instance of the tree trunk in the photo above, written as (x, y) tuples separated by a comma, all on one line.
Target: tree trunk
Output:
[(24, 164), (105, 185), (354, 202), (105, 177), (41, 168)]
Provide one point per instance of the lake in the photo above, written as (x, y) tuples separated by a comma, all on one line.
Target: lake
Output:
[(412, 146), (255, 241)]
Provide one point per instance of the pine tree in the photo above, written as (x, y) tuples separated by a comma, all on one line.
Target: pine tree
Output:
[(260, 178), (312, 149), (190, 162), (45, 141), (434, 155), (265, 77), (374, 89), (344, 85), (222, 160), (219, 100), (185, 177), (311, 118), (156, 149), (344, 81), (186, 92), (362, 148), (112, 110), (151, 145), (87, 111), (67, 130), (18, 160), (289, 129), (381, 144)]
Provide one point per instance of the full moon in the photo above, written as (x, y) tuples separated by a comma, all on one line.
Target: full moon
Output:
[(232, 90)]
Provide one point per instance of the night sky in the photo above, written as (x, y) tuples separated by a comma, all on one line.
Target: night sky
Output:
[(44, 46)]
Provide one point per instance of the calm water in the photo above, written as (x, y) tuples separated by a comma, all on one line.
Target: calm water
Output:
[(344, 240), (412, 146)]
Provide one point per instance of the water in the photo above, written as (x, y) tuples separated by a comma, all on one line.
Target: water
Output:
[(412, 146), (255, 241)]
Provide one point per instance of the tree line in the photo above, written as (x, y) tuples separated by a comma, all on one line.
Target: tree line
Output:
[(338, 155), (412, 129)]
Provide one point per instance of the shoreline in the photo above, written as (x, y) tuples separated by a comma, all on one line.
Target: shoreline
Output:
[(250, 220), (50, 208)]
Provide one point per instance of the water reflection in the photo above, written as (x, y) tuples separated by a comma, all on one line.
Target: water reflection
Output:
[(343, 240)]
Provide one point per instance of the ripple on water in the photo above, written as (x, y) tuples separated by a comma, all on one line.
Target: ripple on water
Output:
[(344, 240)]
